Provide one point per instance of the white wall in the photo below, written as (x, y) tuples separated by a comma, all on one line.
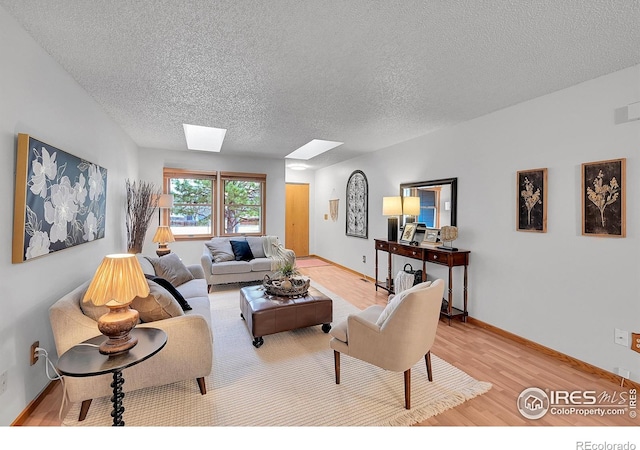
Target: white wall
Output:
[(152, 162), (39, 98), (559, 289)]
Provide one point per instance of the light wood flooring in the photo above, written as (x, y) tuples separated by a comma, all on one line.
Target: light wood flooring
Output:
[(484, 355)]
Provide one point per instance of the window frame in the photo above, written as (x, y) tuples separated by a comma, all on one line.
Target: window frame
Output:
[(218, 205), (242, 176), (171, 173)]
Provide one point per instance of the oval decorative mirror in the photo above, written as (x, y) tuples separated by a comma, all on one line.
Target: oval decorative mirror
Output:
[(437, 202)]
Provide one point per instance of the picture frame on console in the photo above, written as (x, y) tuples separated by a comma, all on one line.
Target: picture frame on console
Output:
[(531, 194), (431, 236), (604, 198), (408, 232)]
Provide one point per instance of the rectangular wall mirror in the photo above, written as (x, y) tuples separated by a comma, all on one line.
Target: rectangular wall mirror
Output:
[(437, 202)]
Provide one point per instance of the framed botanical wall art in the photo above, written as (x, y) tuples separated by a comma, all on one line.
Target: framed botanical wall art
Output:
[(603, 198), (531, 202), (408, 232), (60, 200), (357, 205)]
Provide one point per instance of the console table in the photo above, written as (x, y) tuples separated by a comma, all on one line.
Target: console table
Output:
[(447, 258)]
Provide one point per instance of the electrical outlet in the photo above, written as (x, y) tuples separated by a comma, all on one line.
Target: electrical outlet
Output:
[(33, 358), (635, 342), (621, 337), (624, 373), (3, 382), (364, 259)]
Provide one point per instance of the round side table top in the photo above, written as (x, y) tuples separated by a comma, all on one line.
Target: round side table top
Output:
[(84, 359)]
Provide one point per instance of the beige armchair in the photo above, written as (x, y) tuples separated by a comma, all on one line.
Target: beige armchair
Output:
[(394, 337)]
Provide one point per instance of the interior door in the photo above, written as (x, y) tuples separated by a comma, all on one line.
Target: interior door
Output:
[(297, 219)]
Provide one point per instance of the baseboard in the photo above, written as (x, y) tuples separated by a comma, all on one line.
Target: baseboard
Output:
[(362, 275), (31, 407), (573, 362)]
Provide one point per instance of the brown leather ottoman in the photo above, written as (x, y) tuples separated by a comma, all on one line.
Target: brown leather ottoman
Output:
[(268, 314)]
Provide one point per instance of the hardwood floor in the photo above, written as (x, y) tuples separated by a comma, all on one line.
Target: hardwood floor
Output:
[(510, 366)]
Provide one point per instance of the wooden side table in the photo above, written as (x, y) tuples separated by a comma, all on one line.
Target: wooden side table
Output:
[(84, 360)]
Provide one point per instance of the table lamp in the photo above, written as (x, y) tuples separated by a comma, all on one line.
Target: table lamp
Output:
[(411, 206), (392, 206), (118, 280), (162, 237)]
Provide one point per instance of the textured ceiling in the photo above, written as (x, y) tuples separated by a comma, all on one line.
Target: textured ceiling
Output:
[(368, 73)]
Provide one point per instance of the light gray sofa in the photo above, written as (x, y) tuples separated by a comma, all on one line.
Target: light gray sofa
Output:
[(222, 266), (188, 353)]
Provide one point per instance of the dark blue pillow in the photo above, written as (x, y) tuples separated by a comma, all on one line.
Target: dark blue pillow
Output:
[(242, 250), (172, 290)]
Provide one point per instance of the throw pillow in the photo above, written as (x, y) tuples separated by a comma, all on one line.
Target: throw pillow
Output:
[(257, 246), (241, 250), (171, 268), (396, 300), (172, 290), (158, 305), (220, 249)]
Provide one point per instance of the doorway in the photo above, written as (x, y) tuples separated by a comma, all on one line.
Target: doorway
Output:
[(297, 219)]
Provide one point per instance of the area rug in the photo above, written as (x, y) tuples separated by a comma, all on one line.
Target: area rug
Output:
[(289, 381), (311, 262)]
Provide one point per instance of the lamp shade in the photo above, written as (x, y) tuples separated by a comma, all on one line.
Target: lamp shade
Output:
[(411, 206), (165, 201), (119, 279), (391, 206), (163, 235)]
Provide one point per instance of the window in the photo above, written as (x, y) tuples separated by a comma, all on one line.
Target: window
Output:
[(196, 196), (243, 203), (429, 202), (193, 202)]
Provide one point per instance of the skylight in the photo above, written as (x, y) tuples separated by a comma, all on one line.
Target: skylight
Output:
[(207, 139), (313, 148)]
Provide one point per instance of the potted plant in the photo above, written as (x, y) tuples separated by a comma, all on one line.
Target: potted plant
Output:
[(285, 272)]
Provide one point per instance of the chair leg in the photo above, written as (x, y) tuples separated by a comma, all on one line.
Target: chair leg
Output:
[(427, 359), (407, 389), (336, 364), (201, 385), (84, 409)]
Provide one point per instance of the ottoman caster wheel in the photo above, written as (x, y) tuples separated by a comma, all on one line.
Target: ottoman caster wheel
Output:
[(326, 327), (257, 342)]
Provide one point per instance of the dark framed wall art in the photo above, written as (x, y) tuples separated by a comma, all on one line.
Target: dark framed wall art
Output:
[(60, 200), (531, 200), (357, 205), (603, 198)]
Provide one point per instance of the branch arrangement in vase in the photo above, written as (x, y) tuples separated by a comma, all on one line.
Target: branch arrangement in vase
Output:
[(142, 204)]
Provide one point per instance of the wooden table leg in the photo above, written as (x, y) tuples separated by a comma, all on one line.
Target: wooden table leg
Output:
[(464, 318), (118, 395), (450, 292)]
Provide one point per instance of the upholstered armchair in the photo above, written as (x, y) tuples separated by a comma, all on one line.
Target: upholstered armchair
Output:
[(394, 337)]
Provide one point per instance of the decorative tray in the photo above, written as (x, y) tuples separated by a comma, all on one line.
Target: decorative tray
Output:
[(286, 287)]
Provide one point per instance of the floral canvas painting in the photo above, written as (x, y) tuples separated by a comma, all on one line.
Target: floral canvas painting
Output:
[(603, 198), (532, 200), (60, 200)]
